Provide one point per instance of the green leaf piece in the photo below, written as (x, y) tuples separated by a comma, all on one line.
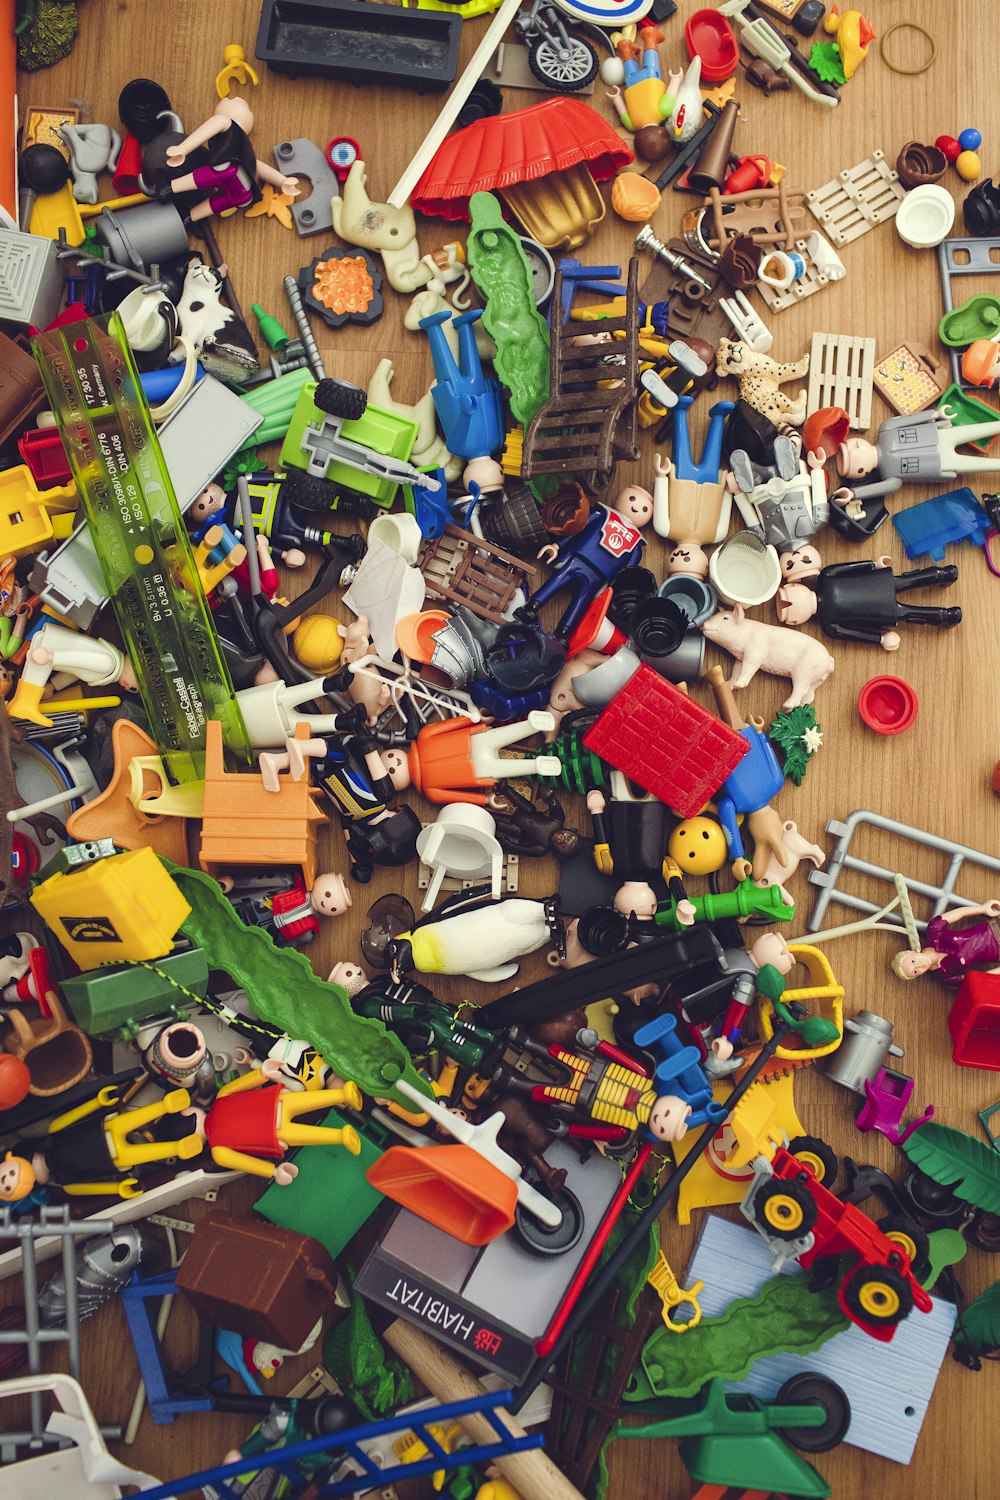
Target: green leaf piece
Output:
[(825, 60), (958, 1161), (785, 1317), (978, 1329), (945, 1247), (798, 736), (284, 989), (501, 271)]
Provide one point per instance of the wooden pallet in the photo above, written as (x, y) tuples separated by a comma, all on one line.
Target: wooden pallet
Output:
[(590, 420), (857, 199), (841, 370)]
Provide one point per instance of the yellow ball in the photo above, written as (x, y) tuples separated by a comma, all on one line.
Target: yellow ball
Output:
[(318, 644), (968, 165), (698, 846)]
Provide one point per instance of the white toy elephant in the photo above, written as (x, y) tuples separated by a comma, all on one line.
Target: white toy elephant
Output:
[(390, 232)]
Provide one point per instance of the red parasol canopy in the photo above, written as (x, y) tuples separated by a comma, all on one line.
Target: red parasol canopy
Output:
[(519, 147)]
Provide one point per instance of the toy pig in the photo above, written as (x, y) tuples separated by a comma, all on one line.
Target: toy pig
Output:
[(785, 653)]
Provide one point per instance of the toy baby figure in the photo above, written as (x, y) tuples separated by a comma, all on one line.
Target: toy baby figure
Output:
[(585, 562), (859, 601), (233, 174), (645, 102), (458, 761), (951, 954), (252, 1123)]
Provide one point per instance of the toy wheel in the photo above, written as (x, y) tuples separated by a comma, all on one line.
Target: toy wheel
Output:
[(911, 1239), (339, 398), (878, 1296), (818, 1156), (389, 916), (539, 1238), (809, 1390), (564, 69), (930, 1199), (784, 1210), (984, 1232)]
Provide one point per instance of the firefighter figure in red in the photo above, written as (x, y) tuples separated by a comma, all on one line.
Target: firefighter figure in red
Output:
[(295, 912), (607, 544)]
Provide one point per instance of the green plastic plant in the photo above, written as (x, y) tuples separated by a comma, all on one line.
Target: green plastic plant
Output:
[(500, 270), (978, 1330), (283, 989), (957, 1161), (799, 737)]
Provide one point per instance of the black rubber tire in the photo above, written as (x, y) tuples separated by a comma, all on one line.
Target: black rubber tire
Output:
[(907, 1233), (811, 1147), (776, 1188), (339, 398), (308, 493), (808, 1389), (885, 1276), (540, 1240), (581, 70), (930, 1199)]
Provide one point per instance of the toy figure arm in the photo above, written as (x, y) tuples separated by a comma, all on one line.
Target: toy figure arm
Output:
[(842, 569), (289, 186), (661, 496), (255, 1079), (615, 1054), (988, 909), (876, 489), (238, 1161), (868, 635), (176, 155), (726, 808)]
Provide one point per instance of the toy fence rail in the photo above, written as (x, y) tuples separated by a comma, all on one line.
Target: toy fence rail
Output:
[(345, 1445), (50, 1222), (942, 896)]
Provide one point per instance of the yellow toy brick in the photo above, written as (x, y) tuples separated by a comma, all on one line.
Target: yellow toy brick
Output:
[(120, 910)]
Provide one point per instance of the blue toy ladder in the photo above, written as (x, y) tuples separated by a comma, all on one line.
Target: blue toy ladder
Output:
[(346, 1445)]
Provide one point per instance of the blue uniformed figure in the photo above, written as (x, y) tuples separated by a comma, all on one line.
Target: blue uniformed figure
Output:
[(608, 544), (468, 404), (747, 791)]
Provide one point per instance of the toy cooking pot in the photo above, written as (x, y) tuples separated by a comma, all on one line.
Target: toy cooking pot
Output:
[(693, 596), (658, 627), (399, 532), (745, 570)]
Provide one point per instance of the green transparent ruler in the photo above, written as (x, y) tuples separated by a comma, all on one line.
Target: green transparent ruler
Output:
[(125, 490)]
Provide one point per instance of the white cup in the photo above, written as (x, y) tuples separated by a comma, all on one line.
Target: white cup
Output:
[(401, 532)]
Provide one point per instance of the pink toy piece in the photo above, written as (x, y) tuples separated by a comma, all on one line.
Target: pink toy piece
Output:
[(771, 648), (886, 1098), (797, 849)]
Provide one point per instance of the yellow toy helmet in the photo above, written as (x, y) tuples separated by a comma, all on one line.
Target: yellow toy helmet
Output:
[(318, 644), (698, 845)]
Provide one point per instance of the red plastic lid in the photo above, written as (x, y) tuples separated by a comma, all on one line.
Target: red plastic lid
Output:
[(888, 705)]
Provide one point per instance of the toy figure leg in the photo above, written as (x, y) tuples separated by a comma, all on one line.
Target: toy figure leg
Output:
[(445, 365), (922, 614), (967, 463), (307, 1103), (925, 578), (126, 1153)]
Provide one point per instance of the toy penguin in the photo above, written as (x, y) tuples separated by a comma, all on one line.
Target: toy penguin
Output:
[(468, 934)]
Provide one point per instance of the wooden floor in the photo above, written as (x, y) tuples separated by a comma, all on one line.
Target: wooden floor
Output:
[(936, 776)]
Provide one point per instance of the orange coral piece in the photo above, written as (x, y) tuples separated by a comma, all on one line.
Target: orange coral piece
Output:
[(344, 285)]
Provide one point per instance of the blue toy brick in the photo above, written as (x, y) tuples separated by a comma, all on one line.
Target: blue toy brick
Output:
[(929, 527)]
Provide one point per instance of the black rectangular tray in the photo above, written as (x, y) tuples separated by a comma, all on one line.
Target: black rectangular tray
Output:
[(359, 42)]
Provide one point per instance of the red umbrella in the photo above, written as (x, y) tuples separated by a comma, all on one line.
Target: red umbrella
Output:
[(527, 144)]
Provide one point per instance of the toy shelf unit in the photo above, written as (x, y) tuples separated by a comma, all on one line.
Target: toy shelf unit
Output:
[(962, 257), (841, 368), (842, 861), (590, 420), (360, 43), (857, 199)]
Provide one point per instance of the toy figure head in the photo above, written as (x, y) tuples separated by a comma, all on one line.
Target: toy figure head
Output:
[(652, 142), (981, 362), (6, 681), (636, 898), (350, 977), (698, 846), (330, 896), (668, 1118), (688, 558), (804, 562), (209, 503), (909, 965), (772, 949), (796, 603), (127, 680), (397, 768), (17, 1178), (635, 504), (237, 110), (485, 472), (856, 458)]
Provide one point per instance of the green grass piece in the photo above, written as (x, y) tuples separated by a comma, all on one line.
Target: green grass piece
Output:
[(284, 989), (791, 731), (785, 1317), (826, 62)]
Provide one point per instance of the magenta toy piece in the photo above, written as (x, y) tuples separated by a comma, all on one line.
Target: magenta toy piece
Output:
[(886, 1098)]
